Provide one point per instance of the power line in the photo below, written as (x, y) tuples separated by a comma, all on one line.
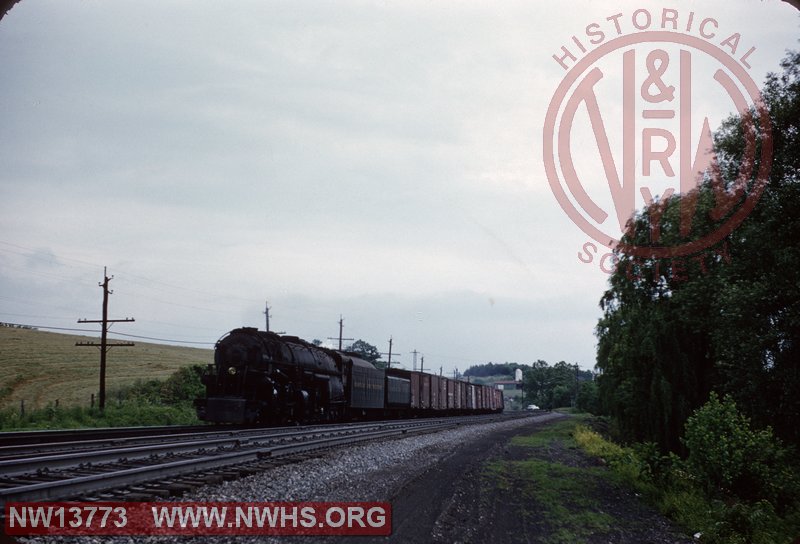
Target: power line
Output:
[(44, 274), (148, 282), (34, 316), (36, 255), (26, 326), (53, 258), (160, 339), (457, 358), (32, 303), (49, 328), (178, 304)]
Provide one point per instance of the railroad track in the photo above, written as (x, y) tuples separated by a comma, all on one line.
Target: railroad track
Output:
[(31, 444), (106, 433), (145, 467)]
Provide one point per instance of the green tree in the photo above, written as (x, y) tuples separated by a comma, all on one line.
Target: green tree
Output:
[(550, 386), (536, 382), (366, 351), (588, 400), (729, 319), (564, 385), (756, 333), (494, 369)]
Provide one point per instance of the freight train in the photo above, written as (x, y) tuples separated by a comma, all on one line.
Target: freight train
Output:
[(260, 377)]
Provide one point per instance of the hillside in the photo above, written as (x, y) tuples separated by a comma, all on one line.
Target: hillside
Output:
[(41, 367)]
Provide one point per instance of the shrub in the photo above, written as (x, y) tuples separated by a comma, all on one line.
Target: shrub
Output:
[(151, 402), (184, 385), (730, 457), (684, 493)]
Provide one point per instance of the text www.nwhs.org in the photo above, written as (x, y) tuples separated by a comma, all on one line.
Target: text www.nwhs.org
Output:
[(214, 518)]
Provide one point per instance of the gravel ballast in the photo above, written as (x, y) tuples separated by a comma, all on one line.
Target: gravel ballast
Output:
[(445, 487), (368, 472)]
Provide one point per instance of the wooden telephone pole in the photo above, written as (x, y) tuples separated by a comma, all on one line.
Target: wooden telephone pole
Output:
[(341, 328), (104, 345), (267, 308), (389, 360), (414, 364)]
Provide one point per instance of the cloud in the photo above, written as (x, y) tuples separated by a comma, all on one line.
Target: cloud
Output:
[(377, 160)]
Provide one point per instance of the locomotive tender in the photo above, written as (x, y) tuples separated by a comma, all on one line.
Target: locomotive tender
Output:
[(261, 377)]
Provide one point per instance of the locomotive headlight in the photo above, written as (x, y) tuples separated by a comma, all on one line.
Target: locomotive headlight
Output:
[(232, 370)]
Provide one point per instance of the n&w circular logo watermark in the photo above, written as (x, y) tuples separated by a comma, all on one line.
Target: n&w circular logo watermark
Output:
[(630, 125)]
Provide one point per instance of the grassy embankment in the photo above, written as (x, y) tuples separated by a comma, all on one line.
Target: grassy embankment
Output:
[(561, 487), (558, 492), (56, 379)]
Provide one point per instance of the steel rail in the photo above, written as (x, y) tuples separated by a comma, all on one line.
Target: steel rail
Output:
[(32, 450), (13, 438), (94, 483), (46, 438), (43, 461)]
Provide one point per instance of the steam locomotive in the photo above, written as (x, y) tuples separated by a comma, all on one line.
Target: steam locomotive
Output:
[(261, 377)]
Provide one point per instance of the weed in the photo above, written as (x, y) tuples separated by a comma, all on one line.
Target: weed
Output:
[(566, 495), (681, 494)]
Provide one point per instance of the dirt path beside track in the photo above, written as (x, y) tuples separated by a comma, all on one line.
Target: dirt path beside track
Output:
[(481, 493)]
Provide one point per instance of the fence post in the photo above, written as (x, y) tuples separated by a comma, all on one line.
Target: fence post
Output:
[(22, 408), (92, 400)]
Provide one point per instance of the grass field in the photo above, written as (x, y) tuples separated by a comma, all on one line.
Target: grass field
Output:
[(42, 367)]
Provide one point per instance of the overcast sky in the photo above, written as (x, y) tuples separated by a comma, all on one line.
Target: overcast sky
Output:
[(376, 160)]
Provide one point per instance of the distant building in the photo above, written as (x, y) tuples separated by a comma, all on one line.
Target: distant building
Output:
[(507, 385), (512, 391)]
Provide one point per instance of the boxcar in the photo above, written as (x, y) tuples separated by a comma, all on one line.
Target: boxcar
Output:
[(425, 391)]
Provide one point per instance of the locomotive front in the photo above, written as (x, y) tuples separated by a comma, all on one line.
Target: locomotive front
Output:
[(260, 377)]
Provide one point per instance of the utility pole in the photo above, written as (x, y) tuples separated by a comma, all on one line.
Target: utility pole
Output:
[(389, 361), (104, 345), (341, 328), (266, 313), (414, 365), (422, 364)]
